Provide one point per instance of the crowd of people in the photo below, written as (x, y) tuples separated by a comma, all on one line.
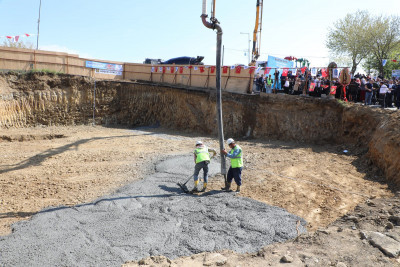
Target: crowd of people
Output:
[(363, 89)]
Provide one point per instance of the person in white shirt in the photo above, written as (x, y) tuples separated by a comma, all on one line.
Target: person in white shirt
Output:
[(382, 94)]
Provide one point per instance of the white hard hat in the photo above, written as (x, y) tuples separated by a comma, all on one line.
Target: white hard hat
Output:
[(199, 143), (230, 141)]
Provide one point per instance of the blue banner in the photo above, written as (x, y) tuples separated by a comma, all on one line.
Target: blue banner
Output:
[(103, 66), (276, 62)]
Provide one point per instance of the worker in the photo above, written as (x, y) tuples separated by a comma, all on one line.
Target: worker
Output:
[(235, 170), (201, 159)]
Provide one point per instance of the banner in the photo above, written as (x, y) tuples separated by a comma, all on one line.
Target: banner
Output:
[(267, 70), (108, 68), (238, 69), (285, 72), (275, 62), (396, 73), (312, 87), (333, 90), (225, 69), (212, 69), (313, 72), (324, 72)]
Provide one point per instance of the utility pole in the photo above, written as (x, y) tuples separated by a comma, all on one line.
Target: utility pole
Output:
[(248, 49), (38, 27)]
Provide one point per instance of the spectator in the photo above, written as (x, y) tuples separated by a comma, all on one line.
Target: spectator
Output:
[(382, 94), (368, 93)]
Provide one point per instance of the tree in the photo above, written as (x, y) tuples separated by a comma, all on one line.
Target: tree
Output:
[(19, 44), (384, 36), (349, 37)]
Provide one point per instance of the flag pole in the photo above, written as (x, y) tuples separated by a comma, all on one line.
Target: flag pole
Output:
[(38, 27)]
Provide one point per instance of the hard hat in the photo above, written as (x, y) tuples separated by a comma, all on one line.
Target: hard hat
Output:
[(199, 143), (230, 141)]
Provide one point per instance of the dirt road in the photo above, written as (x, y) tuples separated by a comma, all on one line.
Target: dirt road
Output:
[(51, 166)]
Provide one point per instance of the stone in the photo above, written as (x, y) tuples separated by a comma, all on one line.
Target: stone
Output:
[(389, 225), (395, 236), (395, 220), (341, 264), (353, 218), (387, 245), (287, 259), (214, 259)]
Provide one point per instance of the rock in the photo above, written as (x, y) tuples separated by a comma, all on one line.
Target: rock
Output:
[(395, 236), (371, 203), (387, 245), (341, 264), (287, 259), (214, 259), (395, 220), (353, 218), (363, 235), (389, 225)]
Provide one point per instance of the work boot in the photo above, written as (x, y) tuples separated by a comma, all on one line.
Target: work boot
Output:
[(204, 187), (238, 189), (227, 187)]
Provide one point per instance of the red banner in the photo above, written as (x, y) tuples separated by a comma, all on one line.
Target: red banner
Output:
[(312, 87), (163, 69), (251, 70), (285, 72), (172, 69), (303, 70), (201, 69), (267, 70), (238, 69), (181, 70), (225, 69), (324, 73), (333, 90), (212, 69)]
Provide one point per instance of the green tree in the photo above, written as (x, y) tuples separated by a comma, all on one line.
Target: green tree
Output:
[(384, 39), (19, 44), (349, 38)]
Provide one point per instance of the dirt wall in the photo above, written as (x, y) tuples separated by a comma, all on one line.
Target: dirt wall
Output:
[(28, 100)]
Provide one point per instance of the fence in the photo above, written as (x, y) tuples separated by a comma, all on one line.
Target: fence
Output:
[(232, 79)]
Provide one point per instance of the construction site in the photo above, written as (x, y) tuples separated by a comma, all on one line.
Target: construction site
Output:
[(97, 167)]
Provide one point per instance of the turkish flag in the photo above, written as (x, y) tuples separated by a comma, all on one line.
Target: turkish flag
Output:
[(16, 38), (225, 69), (324, 73), (303, 70), (180, 69), (9, 37), (312, 87), (285, 72), (267, 70), (163, 69), (172, 69), (27, 35), (201, 69), (252, 70), (238, 69), (212, 69), (394, 60), (333, 90)]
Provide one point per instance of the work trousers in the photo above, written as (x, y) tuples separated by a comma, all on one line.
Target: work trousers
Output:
[(201, 165), (382, 98), (368, 98), (235, 173)]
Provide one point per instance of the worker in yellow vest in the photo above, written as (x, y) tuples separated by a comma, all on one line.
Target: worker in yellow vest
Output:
[(235, 171), (202, 159)]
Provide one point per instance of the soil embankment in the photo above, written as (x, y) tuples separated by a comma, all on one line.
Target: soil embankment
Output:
[(39, 99)]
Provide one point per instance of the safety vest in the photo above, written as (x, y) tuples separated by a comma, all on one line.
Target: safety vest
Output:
[(269, 81), (201, 154), (236, 162)]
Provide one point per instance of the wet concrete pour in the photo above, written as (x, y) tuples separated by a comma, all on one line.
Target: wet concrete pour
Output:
[(147, 217)]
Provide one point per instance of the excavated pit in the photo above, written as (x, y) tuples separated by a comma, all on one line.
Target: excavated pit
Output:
[(64, 100)]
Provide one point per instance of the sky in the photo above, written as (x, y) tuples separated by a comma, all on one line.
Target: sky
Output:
[(132, 30)]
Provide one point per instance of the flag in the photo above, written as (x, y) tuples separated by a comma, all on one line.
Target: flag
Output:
[(335, 73), (27, 34), (258, 69), (16, 38), (252, 70), (285, 72), (201, 69), (225, 69), (195, 68), (180, 69), (172, 69), (312, 87), (333, 90), (152, 69), (212, 69), (267, 70), (238, 69), (232, 67), (163, 69), (176, 69), (384, 61), (303, 70), (324, 72)]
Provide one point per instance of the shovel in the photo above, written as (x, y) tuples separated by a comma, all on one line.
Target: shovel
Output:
[(183, 186)]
